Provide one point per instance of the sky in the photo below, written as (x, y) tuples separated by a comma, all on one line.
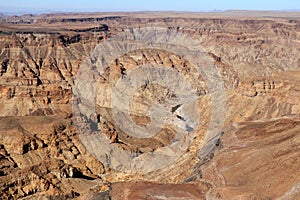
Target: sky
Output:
[(39, 6)]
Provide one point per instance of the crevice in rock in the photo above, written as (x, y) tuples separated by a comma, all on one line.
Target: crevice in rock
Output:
[(4, 66), (79, 174)]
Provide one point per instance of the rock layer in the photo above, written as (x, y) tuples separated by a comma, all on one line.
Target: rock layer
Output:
[(255, 155)]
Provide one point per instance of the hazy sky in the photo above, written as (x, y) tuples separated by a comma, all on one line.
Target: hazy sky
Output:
[(144, 5)]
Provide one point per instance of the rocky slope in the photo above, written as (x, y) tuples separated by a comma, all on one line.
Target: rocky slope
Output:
[(254, 156)]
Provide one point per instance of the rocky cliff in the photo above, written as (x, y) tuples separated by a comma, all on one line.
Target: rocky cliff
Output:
[(44, 154)]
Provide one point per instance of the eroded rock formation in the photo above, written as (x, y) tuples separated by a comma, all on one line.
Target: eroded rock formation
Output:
[(255, 155)]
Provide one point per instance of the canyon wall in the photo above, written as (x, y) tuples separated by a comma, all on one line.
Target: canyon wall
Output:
[(254, 156)]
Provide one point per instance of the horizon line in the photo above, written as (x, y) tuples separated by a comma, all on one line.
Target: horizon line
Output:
[(50, 11)]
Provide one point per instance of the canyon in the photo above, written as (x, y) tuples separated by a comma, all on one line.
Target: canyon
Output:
[(66, 100)]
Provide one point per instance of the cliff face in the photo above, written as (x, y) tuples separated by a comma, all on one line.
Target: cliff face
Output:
[(39, 60), (43, 155), (37, 71)]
